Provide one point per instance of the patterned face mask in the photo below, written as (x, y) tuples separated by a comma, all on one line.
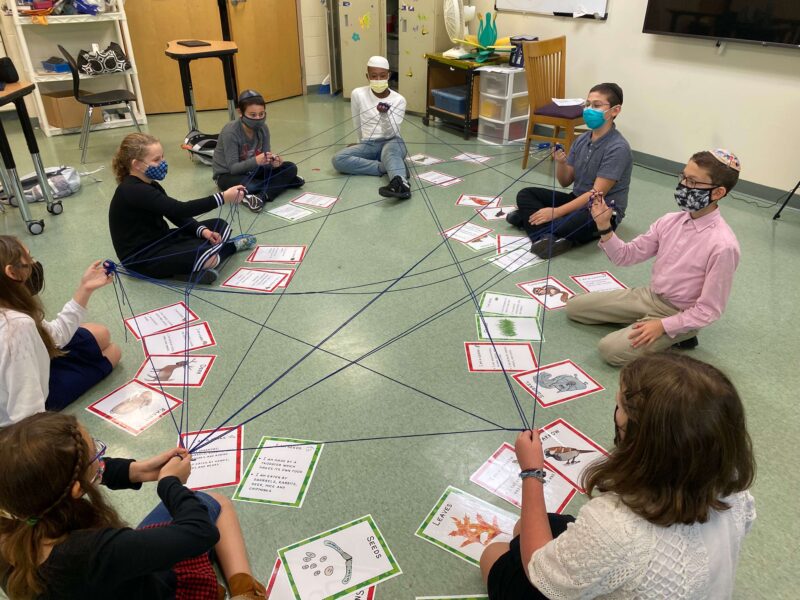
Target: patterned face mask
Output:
[(157, 172), (692, 199)]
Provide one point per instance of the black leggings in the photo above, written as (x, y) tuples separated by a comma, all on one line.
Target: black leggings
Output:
[(578, 227), (268, 182), (181, 252)]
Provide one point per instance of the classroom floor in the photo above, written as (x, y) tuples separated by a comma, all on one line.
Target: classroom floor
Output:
[(416, 383)]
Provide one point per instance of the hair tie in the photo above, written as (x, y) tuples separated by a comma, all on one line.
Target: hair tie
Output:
[(31, 521)]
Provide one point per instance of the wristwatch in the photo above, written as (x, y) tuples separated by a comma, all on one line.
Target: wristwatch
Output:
[(539, 474), (605, 231)]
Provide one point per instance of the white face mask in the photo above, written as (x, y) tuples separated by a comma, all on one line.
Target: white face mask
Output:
[(378, 85)]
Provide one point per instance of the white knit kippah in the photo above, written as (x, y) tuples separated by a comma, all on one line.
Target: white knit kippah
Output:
[(378, 61)]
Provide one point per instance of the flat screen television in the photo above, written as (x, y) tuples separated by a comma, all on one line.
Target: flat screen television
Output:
[(765, 22)]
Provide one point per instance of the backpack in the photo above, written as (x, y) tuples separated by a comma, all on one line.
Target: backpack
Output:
[(63, 180), (201, 146)]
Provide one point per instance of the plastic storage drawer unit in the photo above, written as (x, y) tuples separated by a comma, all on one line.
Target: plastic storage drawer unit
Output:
[(496, 84), (452, 99)]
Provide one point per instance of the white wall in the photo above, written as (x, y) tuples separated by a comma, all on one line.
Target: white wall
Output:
[(680, 95), (315, 40)]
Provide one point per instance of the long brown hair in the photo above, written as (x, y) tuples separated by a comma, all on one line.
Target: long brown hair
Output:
[(43, 456), (15, 295), (685, 446), (133, 147)]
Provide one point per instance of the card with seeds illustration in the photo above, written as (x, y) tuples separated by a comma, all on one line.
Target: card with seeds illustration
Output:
[(338, 562), (508, 328), (464, 525), (568, 451), (278, 587), (558, 382)]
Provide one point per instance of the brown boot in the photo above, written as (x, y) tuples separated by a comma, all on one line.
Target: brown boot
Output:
[(244, 586)]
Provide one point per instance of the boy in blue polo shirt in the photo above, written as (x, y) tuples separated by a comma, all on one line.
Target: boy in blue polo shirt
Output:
[(600, 160)]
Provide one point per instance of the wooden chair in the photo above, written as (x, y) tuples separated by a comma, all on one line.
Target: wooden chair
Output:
[(545, 66)]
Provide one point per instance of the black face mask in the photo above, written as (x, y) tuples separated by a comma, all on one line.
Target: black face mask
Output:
[(35, 283)]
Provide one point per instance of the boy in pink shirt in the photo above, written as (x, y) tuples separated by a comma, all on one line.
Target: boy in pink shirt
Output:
[(696, 254)]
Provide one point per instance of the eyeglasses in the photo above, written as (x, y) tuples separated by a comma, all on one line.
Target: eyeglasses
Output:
[(692, 183), (595, 105), (100, 452)]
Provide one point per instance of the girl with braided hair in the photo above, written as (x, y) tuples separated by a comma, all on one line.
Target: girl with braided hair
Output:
[(60, 538)]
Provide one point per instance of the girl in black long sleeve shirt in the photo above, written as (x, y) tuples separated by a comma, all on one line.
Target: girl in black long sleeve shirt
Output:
[(143, 240), (50, 503)]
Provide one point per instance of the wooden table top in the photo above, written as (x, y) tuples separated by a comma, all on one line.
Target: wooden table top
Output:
[(15, 90), (216, 48)]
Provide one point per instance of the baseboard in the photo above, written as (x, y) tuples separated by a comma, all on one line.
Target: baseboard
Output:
[(764, 192)]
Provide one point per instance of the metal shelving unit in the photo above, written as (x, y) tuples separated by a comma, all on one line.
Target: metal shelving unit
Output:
[(37, 42)]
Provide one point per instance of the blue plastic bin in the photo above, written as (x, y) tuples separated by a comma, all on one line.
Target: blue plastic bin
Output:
[(54, 67), (452, 99)]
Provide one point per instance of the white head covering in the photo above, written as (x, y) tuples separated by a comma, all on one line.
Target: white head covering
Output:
[(378, 61)]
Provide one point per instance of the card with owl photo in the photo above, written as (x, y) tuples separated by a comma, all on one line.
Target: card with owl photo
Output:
[(568, 451)]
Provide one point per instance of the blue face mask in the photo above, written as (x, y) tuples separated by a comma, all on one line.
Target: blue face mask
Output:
[(594, 118), (157, 172)]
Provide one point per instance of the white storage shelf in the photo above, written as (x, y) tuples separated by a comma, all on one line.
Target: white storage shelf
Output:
[(75, 32), (69, 19)]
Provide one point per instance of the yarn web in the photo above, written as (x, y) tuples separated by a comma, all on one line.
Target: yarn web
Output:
[(266, 400)]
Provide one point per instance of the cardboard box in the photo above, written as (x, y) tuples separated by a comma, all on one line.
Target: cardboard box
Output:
[(65, 112)]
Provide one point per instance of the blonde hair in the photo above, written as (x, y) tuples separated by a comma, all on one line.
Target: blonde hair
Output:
[(133, 147)]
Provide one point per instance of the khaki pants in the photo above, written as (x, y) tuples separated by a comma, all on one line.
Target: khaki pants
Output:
[(624, 307)]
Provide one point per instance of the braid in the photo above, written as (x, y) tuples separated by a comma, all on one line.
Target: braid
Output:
[(80, 445)]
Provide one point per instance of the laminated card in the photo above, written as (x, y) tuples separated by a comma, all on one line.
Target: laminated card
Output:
[(339, 562), (279, 472), (464, 525)]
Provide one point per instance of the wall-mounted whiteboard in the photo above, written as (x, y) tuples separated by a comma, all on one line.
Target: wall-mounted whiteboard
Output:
[(548, 7)]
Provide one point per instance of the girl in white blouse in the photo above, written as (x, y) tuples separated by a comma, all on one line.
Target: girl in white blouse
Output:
[(672, 505), (46, 364)]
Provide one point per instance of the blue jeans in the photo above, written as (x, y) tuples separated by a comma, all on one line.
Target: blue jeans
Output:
[(373, 157), (160, 514)]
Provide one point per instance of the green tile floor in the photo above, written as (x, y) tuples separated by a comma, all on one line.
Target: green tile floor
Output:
[(365, 240)]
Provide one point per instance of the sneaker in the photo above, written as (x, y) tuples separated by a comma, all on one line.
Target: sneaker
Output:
[(253, 202), (549, 247), (689, 344), (397, 188), (514, 218), (244, 242), (208, 276), (298, 182)]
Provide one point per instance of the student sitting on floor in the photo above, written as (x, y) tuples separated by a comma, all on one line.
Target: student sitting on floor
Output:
[(696, 255), (60, 538), (243, 156), (378, 113), (672, 505), (46, 364), (143, 240), (600, 160)]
